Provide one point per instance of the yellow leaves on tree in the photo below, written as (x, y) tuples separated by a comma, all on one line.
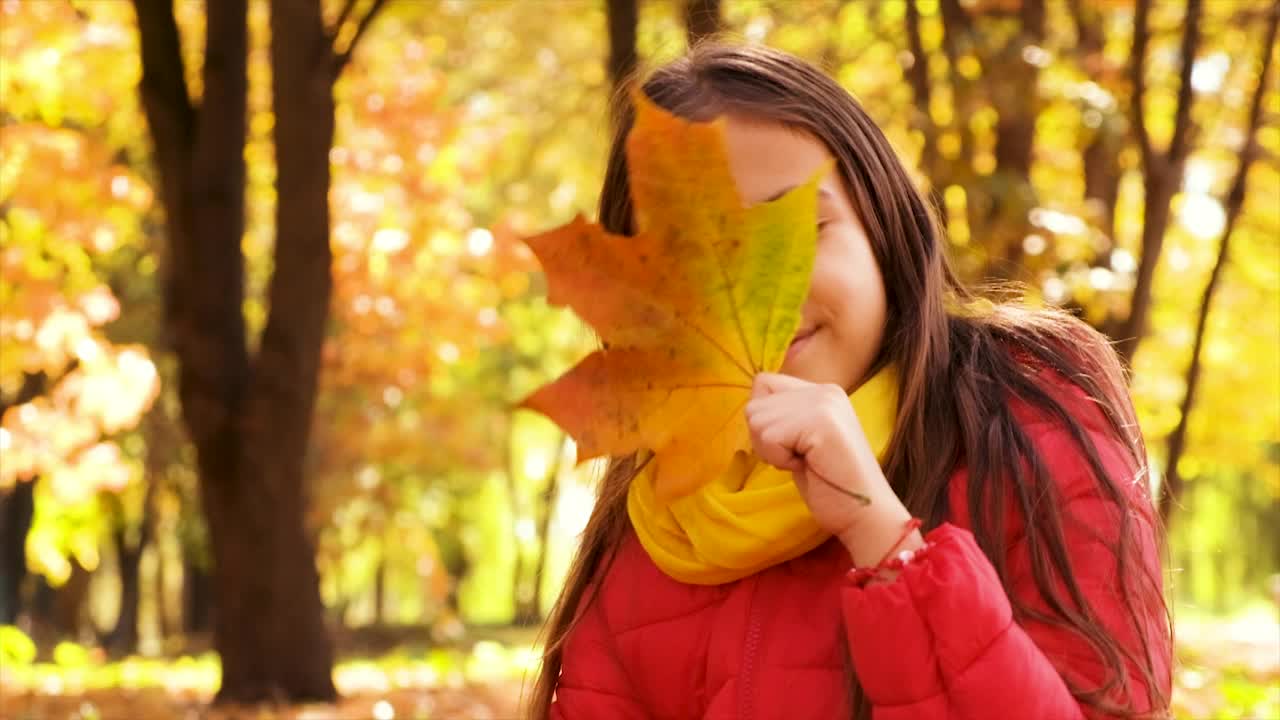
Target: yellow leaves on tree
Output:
[(705, 295)]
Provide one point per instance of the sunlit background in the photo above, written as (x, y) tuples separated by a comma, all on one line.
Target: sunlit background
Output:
[(443, 521)]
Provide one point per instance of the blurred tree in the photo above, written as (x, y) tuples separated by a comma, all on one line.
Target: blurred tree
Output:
[(1162, 171), (74, 374), (984, 78), (250, 416), (1069, 160), (123, 637), (1172, 487), (624, 16), (701, 19), (17, 507)]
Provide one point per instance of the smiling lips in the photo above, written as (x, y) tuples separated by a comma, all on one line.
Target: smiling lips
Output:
[(802, 335), (799, 340)]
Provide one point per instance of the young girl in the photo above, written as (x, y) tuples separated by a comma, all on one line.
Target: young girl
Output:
[(946, 514)]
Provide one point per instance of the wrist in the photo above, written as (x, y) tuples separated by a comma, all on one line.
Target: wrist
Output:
[(878, 527)]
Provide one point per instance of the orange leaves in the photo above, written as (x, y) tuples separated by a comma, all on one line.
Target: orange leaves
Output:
[(706, 295)]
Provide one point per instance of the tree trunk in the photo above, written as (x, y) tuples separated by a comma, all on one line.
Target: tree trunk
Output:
[(958, 38), (1101, 169), (250, 419), (623, 16), (453, 556), (197, 597), (1102, 175), (380, 589), (266, 572), (17, 508), (123, 638), (69, 610), (519, 600), (1171, 490), (41, 609), (531, 613), (1161, 183), (167, 615), (921, 90), (701, 19), (1015, 96), (1162, 170)]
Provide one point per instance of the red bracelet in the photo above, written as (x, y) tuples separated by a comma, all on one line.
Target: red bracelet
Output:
[(891, 561)]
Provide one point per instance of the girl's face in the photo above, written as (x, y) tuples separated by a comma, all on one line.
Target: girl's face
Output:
[(842, 321)]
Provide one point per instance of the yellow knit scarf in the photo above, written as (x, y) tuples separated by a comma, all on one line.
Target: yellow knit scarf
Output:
[(752, 517)]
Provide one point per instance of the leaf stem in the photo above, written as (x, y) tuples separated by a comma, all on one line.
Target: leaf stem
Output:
[(863, 499)]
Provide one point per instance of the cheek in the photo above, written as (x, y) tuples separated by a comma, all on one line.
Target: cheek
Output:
[(845, 278), (850, 292)]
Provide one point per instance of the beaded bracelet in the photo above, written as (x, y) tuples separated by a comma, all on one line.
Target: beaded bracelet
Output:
[(892, 561)]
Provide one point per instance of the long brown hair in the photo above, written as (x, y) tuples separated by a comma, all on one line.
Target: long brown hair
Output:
[(958, 363)]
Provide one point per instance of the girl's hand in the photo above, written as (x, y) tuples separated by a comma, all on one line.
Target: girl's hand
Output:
[(811, 430)]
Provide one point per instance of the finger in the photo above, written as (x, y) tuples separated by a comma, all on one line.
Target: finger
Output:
[(778, 412), (802, 480), (769, 406), (774, 441), (780, 457), (795, 464), (768, 446), (769, 383)]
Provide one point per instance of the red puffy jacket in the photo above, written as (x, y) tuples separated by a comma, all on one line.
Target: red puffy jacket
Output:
[(938, 642)]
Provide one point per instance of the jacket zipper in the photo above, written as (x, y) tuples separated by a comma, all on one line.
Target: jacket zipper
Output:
[(746, 694)]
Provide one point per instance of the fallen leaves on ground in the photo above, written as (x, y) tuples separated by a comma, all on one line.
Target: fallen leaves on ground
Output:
[(1227, 669), (497, 701)]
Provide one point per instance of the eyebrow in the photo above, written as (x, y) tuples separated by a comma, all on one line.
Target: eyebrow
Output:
[(822, 192)]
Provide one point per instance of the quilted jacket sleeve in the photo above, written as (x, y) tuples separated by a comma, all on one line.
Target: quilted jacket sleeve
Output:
[(940, 641), (592, 683)]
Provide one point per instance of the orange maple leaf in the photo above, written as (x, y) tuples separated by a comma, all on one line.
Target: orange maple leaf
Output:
[(704, 296)]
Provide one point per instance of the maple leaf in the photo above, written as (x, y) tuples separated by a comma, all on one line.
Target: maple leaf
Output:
[(706, 294)]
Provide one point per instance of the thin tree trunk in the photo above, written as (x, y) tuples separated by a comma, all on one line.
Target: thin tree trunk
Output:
[(918, 75), (1160, 186), (169, 625), (623, 17), (41, 609), (701, 19), (1102, 175), (1172, 488), (515, 506), (532, 613), (197, 596), (1162, 171), (69, 610), (123, 638), (959, 37), (1101, 170), (1015, 97), (17, 508), (380, 589)]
